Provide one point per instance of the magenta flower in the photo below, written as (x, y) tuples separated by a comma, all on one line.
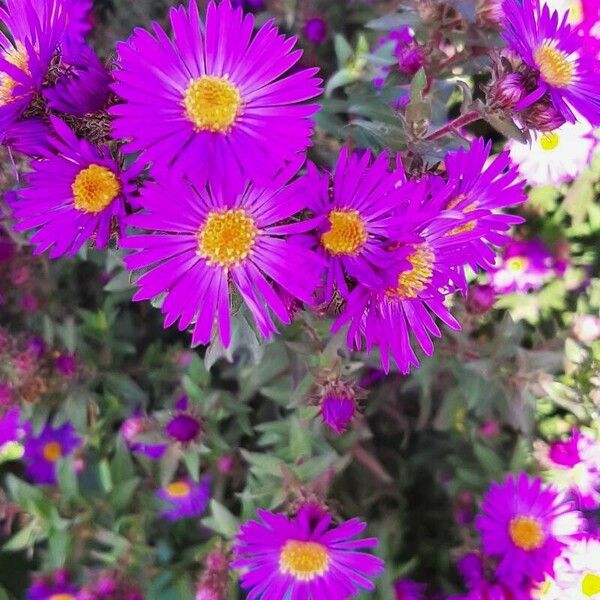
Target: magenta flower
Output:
[(354, 222), (477, 185), (11, 429), (184, 498), (132, 429), (337, 403), (407, 589), (315, 30), (389, 316), (524, 266), (554, 51), (574, 466), (75, 195), (526, 525), (56, 586), (226, 98), (35, 29), (184, 426), (43, 451), (304, 557), (208, 238), (66, 365)]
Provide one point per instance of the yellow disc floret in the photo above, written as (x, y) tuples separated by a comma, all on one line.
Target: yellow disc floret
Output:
[(212, 103), (94, 188), (554, 65), (62, 597), (227, 237), (590, 584), (52, 451), (549, 140), (304, 560), (415, 280), (178, 489), (347, 235), (517, 264), (18, 57), (526, 533)]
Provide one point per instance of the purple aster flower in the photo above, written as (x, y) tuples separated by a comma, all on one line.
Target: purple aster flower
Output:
[(354, 221), (407, 589), (526, 525), (73, 196), (304, 557), (554, 52), (574, 466), (42, 452), (35, 30), (66, 365), (225, 98), (183, 426), (482, 587), (84, 88), (480, 299), (434, 253), (131, 430), (525, 266), (476, 183), (185, 498), (209, 237), (11, 429), (56, 586), (337, 402), (315, 30)]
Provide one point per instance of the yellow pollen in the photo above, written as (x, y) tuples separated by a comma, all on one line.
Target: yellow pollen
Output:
[(94, 188), (62, 597), (178, 489), (347, 234), (52, 451), (7, 85), (212, 103), (227, 238), (468, 226), (516, 264), (454, 202), (304, 560), (549, 140), (526, 533), (414, 281), (554, 65), (590, 584)]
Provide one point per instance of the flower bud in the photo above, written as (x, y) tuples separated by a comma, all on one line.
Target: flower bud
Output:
[(410, 59), (338, 405), (507, 91), (315, 30), (480, 299), (542, 116)]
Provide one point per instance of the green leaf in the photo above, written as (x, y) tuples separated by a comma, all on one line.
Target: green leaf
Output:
[(221, 521)]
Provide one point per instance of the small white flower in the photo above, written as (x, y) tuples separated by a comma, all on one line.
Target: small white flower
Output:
[(556, 156)]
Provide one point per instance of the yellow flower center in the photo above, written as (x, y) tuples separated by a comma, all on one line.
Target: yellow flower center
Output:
[(575, 12), (549, 140), (227, 238), (62, 597), (212, 103), (554, 65), (304, 560), (516, 264), (414, 281), (454, 202), (94, 188), (52, 451), (590, 584), (526, 533), (19, 58), (178, 489), (347, 234)]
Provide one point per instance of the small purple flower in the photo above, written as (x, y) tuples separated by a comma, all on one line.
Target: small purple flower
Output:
[(304, 557), (11, 429), (525, 266), (37, 346), (507, 91), (338, 405), (407, 589), (184, 427), (185, 498), (315, 30), (66, 365), (131, 429), (56, 586), (42, 452), (526, 525)]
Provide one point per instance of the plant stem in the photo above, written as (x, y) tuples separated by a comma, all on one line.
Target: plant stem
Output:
[(461, 121)]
